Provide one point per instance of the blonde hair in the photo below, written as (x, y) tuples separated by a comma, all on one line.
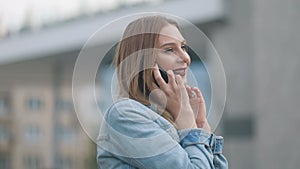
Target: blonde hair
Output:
[(136, 52)]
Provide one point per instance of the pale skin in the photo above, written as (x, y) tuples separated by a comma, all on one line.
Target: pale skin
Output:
[(188, 111)]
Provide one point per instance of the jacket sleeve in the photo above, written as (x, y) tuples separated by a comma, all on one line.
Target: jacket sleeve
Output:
[(131, 135), (193, 140)]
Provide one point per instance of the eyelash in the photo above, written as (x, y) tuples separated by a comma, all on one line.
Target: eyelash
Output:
[(184, 47), (169, 50)]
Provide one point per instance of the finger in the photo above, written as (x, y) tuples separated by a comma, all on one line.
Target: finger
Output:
[(192, 92), (153, 86), (158, 97), (180, 83), (198, 93), (178, 80), (187, 86), (160, 81), (171, 77), (189, 91)]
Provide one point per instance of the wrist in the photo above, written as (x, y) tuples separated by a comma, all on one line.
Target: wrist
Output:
[(182, 126), (185, 120), (204, 125)]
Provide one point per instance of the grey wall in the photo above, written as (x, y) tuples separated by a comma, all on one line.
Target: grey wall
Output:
[(259, 44), (277, 92)]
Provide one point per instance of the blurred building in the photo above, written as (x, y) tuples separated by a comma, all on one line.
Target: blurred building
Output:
[(258, 44), (39, 127)]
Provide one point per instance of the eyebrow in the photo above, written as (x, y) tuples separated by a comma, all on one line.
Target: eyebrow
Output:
[(172, 43)]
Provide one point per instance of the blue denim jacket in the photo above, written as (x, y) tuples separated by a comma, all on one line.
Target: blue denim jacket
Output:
[(133, 135)]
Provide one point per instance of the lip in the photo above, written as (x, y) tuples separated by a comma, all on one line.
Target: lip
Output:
[(180, 71)]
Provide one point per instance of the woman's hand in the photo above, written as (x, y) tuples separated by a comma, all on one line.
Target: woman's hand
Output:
[(176, 99), (197, 103)]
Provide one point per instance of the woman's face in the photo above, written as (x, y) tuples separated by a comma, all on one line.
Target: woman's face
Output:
[(172, 53)]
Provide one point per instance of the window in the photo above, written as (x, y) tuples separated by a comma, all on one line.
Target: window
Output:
[(239, 127), (4, 161), (64, 162), (4, 104), (4, 134), (34, 104), (67, 134), (65, 106), (32, 162), (33, 134)]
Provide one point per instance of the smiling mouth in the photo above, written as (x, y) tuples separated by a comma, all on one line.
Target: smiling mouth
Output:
[(181, 71)]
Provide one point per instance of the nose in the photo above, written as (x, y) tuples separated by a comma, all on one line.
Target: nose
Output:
[(184, 57)]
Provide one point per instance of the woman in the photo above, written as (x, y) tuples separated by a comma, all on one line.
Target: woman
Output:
[(158, 122)]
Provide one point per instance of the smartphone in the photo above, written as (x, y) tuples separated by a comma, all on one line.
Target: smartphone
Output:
[(141, 81), (163, 75)]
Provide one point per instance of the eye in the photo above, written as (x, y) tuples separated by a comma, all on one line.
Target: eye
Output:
[(169, 50), (184, 47)]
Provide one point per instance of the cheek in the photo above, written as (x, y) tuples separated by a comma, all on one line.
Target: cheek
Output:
[(166, 63)]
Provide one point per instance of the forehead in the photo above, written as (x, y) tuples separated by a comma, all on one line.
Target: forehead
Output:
[(170, 33)]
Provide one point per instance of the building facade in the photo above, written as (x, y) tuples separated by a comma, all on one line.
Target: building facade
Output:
[(258, 45)]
